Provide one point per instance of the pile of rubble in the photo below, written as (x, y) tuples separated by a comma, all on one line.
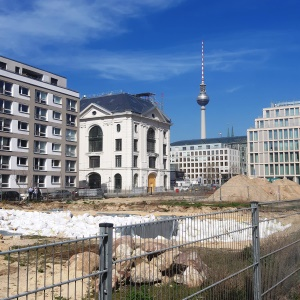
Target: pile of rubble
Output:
[(138, 261), (243, 188)]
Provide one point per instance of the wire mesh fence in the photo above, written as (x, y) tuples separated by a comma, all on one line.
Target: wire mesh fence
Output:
[(244, 253)]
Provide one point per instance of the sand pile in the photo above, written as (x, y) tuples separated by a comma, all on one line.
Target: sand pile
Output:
[(243, 188)]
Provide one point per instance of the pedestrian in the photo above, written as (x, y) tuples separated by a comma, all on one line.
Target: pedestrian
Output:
[(35, 193), (30, 192)]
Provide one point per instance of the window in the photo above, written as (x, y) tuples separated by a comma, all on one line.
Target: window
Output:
[(22, 143), (164, 149), (5, 124), (165, 164), (4, 143), (17, 70), (39, 180), (118, 161), (40, 97), (4, 162), (22, 161), (71, 135), (70, 150), (21, 179), (135, 161), (55, 179), (118, 144), (118, 127), (56, 131), (40, 147), (23, 91), (135, 145), (151, 140), (94, 161), (54, 81), (23, 125), (70, 165), (5, 180), (23, 108), (55, 163), (39, 164), (2, 65), (118, 181), (40, 130), (40, 114), (57, 100), (71, 120), (95, 139), (56, 115), (5, 88), (56, 147), (135, 128), (5, 106), (71, 104), (152, 161), (70, 181)]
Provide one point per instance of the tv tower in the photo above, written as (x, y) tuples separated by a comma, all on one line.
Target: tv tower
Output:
[(203, 98)]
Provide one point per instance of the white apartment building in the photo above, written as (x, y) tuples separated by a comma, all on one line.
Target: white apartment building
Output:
[(273, 145), (210, 161), (38, 128), (125, 142)]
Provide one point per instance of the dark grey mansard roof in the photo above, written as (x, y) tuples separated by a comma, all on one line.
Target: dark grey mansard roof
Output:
[(117, 103), (222, 140)]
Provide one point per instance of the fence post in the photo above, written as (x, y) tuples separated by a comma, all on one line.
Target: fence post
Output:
[(105, 253), (256, 252)]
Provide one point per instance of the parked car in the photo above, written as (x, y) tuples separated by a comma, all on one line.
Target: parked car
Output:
[(10, 195), (58, 194)]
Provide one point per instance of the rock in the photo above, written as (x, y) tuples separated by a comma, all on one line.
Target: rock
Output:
[(151, 246), (84, 263), (165, 260), (125, 239), (122, 251), (145, 273), (190, 277), (191, 259)]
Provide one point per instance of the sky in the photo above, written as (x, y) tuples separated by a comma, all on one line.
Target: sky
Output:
[(251, 53)]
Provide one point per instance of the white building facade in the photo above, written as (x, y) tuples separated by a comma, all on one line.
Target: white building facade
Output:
[(210, 161), (125, 142), (273, 145), (38, 128)]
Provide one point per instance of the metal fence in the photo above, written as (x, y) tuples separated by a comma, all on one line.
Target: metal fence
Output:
[(243, 253)]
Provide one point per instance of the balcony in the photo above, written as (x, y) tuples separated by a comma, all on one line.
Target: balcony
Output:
[(41, 101), (39, 150), (4, 148), (39, 168)]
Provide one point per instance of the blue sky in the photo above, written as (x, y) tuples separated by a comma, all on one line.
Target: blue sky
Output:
[(251, 53)]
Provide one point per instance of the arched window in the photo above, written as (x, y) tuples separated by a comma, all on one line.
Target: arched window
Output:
[(151, 140), (118, 182), (94, 181), (95, 139), (135, 180)]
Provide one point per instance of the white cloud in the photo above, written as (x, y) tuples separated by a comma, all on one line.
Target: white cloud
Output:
[(234, 89), (70, 21), (58, 32)]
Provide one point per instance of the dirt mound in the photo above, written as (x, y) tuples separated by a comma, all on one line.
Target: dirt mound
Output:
[(243, 188)]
